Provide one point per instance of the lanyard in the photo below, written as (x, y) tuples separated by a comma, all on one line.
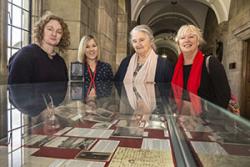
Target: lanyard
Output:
[(92, 79)]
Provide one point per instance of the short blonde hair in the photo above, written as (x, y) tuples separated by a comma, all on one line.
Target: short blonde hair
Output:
[(145, 29), (82, 47), (38, 30), (189, 27)]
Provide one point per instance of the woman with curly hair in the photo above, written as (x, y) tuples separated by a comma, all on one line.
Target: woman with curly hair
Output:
[(39, 61)]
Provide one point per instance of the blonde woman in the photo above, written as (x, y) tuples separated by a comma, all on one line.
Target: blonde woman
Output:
[(39, 62), (94, 69), (191, 70)]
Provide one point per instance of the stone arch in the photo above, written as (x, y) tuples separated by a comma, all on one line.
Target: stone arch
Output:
[(220, 8)]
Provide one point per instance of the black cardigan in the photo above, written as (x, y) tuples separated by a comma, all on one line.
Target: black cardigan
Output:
[(214, 85)]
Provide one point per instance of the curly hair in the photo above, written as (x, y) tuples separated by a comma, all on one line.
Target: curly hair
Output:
[(38, 30)]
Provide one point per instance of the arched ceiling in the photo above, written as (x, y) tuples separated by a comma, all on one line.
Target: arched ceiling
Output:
[(166, 16), (166, 40), (220, 7)]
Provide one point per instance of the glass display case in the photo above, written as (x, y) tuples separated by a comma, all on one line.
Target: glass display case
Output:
[(112, 124)]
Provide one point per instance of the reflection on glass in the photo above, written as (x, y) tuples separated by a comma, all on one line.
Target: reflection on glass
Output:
[(213, 137), (39, 102), (95, 95), (138, 102), (187, 103), (17, 157)]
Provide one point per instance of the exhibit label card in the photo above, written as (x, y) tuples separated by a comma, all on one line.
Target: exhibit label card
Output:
[(166, 134), (62, 131), (81, 163), (71, 142), (208, 148), (32, 139), (77, 163), (156, 144), (105, 146)]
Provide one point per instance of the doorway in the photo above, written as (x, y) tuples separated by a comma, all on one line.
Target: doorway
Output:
[(245, 87)]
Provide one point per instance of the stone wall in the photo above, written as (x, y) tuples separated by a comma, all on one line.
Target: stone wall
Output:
[(239, 15), (232, 46), (122, 32), (3, 69), (72, 16), (106, 19), (107, 29)]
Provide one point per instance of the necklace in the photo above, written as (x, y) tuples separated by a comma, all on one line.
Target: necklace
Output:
[(50, 54), (137, 69)]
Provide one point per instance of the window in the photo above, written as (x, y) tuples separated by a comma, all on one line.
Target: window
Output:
[(19, 35), (19, 25)]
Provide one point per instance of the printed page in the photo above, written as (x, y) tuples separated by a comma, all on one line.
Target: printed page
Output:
[(105, 146), (33, 139), (156, 144), (135, 157), (91, 133), (208, 148), (62, 131), (82, 163)]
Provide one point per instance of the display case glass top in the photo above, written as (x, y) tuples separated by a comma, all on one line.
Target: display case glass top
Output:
[(109, 124)]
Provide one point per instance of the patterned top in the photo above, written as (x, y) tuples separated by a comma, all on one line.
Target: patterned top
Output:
[(138, 67), (100, 79), (103, 72)]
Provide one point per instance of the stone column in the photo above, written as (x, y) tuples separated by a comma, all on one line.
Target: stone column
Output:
[(122, 32), (107, 30), (3, 41), (71, 15), (37, 9), (81, 17)]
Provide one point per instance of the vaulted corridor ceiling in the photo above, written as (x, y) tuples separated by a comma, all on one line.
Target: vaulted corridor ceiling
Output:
[(166, 16)]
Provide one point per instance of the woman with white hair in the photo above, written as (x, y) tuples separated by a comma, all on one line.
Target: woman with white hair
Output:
[(144, 65), (194, 72)]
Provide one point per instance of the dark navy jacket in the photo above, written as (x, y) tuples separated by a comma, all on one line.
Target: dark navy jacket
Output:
[(164, 70), (32, 65)]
